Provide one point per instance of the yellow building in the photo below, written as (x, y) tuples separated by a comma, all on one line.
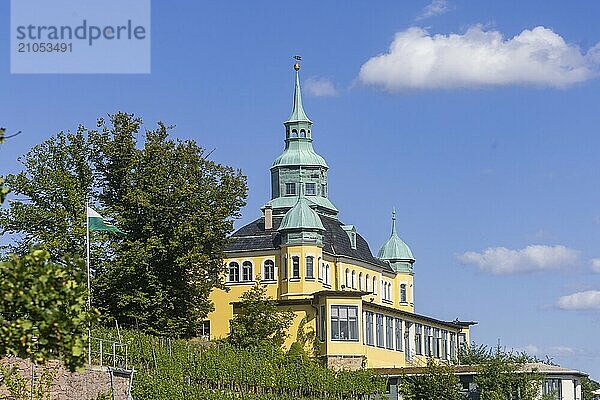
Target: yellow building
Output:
[(358, 308)]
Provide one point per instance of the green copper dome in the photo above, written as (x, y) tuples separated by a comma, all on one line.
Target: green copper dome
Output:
[(298, 153), (301, 217), (395, 249)]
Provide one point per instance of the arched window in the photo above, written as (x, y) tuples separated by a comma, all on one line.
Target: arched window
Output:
[(234, 272), (347, 278), (327, 276), (367, 283), (360, 281), (294, 133), (246, 271), (310, 273), (302, 133), (374, 285), (353, 279), (269, 270)]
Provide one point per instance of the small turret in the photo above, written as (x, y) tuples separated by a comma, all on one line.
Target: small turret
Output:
[(396, 252)]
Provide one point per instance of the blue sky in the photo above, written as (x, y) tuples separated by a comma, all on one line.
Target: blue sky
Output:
[(478, 125)]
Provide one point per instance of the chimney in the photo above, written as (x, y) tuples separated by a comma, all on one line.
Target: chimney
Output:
[(268, 217)]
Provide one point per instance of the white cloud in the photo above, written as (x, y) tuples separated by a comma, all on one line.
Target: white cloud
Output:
[(556, 351), (561, 351), (596, 265), (436, 7), (320, 87), (588, 300), (530, 349), (540, 57), (502, 261)]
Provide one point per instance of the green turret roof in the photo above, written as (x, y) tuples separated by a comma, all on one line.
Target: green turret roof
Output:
[(394, 249), (299, 152), (301, 216)]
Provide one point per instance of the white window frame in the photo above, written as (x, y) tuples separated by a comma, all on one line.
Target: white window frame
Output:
[(229, 271), (243, 272), (264, 268)]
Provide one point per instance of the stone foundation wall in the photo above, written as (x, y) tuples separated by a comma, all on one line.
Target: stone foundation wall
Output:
[(66, 385), (351, 363)]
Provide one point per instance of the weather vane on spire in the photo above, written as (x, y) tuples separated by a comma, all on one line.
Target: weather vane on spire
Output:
[(297, 64)]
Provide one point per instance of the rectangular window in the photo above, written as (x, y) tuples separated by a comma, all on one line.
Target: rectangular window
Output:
[(370, 339), (290, 189), (552, 387), (311, 189), (462, 343), (295, 267), (323, 190), (437, 346), (204, 330), (322, 324), (403, 293), (444, 344), (398, 334), (452, 346), (419, 339), (379, 330), (428, 341), (320, 268), (284, 267), (309, 267), (344, 323), (389, 333)]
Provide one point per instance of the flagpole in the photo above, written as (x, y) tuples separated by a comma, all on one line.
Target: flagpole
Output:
[(87, 262)]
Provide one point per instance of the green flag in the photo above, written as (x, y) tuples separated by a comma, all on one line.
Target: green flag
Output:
[(97, 223)]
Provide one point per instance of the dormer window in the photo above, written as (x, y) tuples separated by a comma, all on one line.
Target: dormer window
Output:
[(351, 232), (290, 189), (311, 189)]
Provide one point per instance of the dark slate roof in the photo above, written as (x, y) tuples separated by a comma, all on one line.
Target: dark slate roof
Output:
[(335, 240)]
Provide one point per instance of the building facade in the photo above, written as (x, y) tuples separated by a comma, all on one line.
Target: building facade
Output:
[(558, 383), (353, 308)]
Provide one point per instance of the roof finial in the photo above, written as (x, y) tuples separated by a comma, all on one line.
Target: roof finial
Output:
[(297, 64), (394, 222)]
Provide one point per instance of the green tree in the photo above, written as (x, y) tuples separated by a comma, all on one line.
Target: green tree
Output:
[(52, 188), (176, 206), (587, 387), (260, 321), (43, 309), (501, 375), (438, 382), (3, 190)]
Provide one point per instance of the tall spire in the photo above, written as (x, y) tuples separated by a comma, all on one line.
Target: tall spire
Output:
[(298, 113)]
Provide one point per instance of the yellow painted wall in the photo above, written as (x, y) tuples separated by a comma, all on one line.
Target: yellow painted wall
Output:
[(282, 289)]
